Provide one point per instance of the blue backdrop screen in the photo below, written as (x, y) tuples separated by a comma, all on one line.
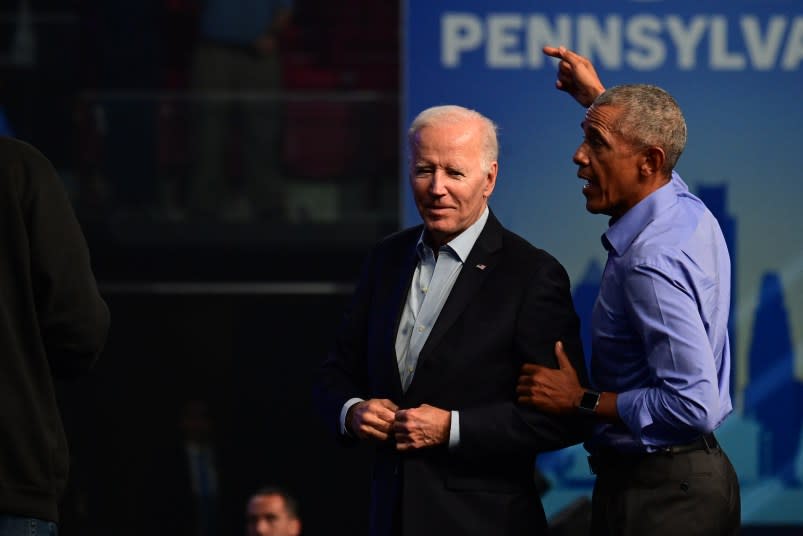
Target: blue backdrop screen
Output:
[(735, 69)]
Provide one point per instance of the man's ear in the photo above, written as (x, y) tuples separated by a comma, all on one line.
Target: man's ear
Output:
[(490, 180), (652, 162)]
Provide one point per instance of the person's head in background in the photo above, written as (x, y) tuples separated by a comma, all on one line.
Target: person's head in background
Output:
[(453, 167), (272, 511)]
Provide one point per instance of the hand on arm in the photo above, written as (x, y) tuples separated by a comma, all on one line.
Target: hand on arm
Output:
[(421, 427), (576, 75), (550, 390), (558, 390), (371, 419)]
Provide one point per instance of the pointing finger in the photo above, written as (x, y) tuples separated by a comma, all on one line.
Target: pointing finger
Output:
[(554, 52)]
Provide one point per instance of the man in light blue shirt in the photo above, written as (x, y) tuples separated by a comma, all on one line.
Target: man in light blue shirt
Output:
[(660, 363)]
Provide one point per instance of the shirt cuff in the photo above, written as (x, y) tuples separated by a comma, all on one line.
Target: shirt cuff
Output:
[(344, 412), (454, 430)]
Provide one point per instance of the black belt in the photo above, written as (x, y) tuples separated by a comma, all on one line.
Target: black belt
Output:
[(705, 442), (610, 458)]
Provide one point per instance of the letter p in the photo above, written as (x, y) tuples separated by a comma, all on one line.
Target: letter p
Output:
[(459, 32)]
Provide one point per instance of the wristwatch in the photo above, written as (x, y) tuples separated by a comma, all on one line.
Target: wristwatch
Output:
[(589, 402)]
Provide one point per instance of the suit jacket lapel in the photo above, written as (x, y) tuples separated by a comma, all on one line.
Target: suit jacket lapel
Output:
[(481, 262), (397, 290)]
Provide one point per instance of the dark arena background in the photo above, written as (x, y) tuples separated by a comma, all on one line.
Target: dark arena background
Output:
[(227, 224)]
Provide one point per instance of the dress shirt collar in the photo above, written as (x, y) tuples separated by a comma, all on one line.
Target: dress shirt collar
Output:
[(461, 244), (623, 231)]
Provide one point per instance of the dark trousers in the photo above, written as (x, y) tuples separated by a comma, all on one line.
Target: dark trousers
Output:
[(688, 493)]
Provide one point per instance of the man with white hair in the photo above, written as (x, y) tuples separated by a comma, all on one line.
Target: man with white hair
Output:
[(426, 360)]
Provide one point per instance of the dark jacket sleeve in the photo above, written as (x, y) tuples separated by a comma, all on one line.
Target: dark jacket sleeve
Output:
[(362, 362), (342, 374), (547, 314), (73, 317)]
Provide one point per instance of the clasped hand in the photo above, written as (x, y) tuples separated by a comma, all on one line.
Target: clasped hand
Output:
[(414, 428)]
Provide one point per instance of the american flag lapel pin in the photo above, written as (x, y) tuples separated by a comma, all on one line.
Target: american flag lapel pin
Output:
[(481, 266)]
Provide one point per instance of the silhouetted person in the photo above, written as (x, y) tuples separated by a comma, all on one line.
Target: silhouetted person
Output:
[(180, 491), (53, 324)]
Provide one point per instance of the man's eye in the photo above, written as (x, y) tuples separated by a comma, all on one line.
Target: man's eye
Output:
[(593, 141)]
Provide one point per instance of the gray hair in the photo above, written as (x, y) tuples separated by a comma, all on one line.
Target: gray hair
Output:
[(650, 116), (453, 114)]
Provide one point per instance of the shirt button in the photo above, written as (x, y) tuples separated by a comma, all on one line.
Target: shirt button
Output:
[(420, 329), (424, 289)]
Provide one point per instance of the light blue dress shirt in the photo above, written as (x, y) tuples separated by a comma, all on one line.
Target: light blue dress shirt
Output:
[(432, 283), (660, 323)]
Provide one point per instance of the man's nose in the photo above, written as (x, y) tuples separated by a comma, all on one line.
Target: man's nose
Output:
[(580, 157), (436, 185)]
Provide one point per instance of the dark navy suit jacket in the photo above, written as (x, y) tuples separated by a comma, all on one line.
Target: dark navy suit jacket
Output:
[(509, 305)]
